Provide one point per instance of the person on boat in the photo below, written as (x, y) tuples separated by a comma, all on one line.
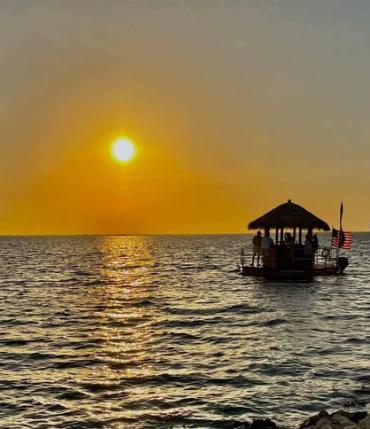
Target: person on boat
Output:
[(289, 240), (257, 242), (307, 246), (315, 243), (267, 244), (289, 249), (307, 252)]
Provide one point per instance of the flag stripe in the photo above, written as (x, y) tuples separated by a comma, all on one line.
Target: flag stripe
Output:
[(341, 239)]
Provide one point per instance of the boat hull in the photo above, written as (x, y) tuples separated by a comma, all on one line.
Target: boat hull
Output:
[(288, 274)]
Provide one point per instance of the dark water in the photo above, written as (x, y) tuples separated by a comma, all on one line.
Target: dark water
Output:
[(117, 332)]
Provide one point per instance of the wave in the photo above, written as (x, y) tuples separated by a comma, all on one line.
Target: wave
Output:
[(174, 338)]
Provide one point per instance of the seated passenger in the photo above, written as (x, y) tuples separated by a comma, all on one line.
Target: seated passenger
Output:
[(289, 240)]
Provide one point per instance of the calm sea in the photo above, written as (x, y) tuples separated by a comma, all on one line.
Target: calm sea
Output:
[(159, 331)]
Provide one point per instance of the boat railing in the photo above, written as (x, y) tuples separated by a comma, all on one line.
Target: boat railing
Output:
[(295, 257), (325, 256)]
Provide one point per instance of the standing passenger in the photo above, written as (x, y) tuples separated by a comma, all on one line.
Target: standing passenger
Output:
[(315, 243), (308, 247), (257, 240), (307, 252), (267, 244)]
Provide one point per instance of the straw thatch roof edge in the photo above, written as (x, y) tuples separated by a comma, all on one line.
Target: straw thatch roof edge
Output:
[(289, 215)]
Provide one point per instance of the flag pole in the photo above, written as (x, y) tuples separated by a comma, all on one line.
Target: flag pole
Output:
[(340, 239), (331, 241)]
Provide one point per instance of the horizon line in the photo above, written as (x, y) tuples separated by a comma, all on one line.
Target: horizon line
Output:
[(145, 234)]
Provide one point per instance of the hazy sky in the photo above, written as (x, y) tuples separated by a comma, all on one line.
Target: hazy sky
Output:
[(235, 106)]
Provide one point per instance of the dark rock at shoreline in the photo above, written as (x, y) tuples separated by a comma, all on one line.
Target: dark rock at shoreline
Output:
[(323, 420), (312, 421), (354, 417), (339, 420)]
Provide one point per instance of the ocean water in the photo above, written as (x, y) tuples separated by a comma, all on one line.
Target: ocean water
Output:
[(160, 332)]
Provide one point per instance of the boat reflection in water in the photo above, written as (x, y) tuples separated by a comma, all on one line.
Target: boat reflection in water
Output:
[(289, 257)]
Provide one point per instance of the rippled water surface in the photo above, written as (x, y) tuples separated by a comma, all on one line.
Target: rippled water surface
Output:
[(141, 332)]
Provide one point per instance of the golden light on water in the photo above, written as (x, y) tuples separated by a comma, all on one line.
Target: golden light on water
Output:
[(123, 149)]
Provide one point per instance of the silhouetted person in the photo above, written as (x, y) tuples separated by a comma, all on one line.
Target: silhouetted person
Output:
[(307, 252), (257, 242), (289, 240), (267, 244), (315, 243), (307, 247), (267, 241)]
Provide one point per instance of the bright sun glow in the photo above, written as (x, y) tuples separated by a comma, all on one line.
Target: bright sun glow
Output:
[(123, 149)]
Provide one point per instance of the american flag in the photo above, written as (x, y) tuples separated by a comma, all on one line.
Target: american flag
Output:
[(341, 239)]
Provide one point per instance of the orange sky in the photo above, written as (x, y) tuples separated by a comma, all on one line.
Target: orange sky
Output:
[(234, 106)]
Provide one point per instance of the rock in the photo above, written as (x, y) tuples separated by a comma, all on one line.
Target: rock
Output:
[(339, 420), (343, 422), (312, 421), (324, 423), (354, 417), (365, 423), (263, 424)]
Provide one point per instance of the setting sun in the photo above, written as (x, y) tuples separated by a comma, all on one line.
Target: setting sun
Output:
[(123, 149)]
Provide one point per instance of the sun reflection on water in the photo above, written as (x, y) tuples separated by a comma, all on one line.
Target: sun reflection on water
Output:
[(124, 320)]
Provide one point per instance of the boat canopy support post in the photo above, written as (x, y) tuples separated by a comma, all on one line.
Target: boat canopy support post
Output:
[(277, 236)]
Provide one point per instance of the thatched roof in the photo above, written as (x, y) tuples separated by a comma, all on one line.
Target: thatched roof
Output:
[(289, 215)]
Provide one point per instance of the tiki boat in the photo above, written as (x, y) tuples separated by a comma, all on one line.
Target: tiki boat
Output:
[(291, 254)]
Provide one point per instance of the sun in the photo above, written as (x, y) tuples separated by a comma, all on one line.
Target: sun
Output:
[(123, 149)]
